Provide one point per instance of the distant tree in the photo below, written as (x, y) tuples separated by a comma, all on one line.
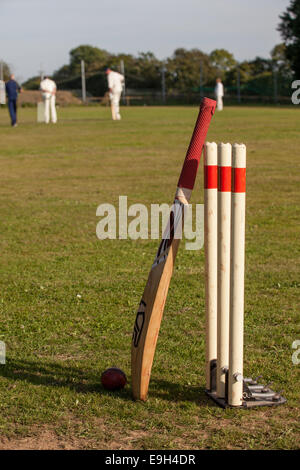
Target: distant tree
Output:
[(128, 59), (63, 73), (279, 59), (278, 54), (32, 83), (259, 65), (95, 60), (183, 70), (248, 70), (141, 72), (245, 71), (93, 57), (144, 72), (289, 28), (222, 60), (6, 70)]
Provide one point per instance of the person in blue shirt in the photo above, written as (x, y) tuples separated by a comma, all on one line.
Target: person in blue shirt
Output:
[(12, 90)]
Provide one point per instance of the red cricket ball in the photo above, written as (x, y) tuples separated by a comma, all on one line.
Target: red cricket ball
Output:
[(113, 379)]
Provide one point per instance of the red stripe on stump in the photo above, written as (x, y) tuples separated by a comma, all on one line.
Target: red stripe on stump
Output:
[(224, 179), (210, 176), (239, 180)]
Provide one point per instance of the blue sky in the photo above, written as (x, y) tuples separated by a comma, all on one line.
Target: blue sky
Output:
[(37, 34)]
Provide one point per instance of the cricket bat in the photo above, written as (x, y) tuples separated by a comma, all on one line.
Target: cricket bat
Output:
[(112, 107), (150, 311)]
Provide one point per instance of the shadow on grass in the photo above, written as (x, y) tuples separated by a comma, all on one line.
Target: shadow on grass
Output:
[(175, 392), (54, 374)]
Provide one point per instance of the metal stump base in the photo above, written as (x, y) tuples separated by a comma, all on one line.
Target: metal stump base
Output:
[(246, 403), (254, 393)]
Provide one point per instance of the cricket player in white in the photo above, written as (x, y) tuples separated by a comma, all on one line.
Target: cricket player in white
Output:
[(48, 88), (115, 86), (219, 93)]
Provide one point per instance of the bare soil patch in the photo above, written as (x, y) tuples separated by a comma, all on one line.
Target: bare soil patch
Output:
[(62, 97)]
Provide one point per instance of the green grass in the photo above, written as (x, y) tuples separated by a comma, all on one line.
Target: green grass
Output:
[(52, 180)]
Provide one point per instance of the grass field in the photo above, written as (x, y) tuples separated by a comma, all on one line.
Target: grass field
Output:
[(52, 180)]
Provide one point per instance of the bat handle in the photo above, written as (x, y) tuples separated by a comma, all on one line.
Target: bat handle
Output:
[(193, 155)]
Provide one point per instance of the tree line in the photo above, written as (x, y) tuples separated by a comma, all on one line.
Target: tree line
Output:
[(188, 70), (185, 71)]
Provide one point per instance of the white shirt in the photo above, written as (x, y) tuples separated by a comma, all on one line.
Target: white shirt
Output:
[(219, 89), (48, 86), (115, 81)]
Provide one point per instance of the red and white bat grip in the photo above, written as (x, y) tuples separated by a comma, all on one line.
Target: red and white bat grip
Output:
[(193, 155)]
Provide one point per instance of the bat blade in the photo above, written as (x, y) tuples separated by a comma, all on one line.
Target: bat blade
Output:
[(151, 308)]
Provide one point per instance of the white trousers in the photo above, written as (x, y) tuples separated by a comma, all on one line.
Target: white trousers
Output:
[(219, 103), (115, 105), (50, 106)]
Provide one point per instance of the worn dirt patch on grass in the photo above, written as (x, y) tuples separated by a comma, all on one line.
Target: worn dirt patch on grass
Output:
[(43, 439)]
